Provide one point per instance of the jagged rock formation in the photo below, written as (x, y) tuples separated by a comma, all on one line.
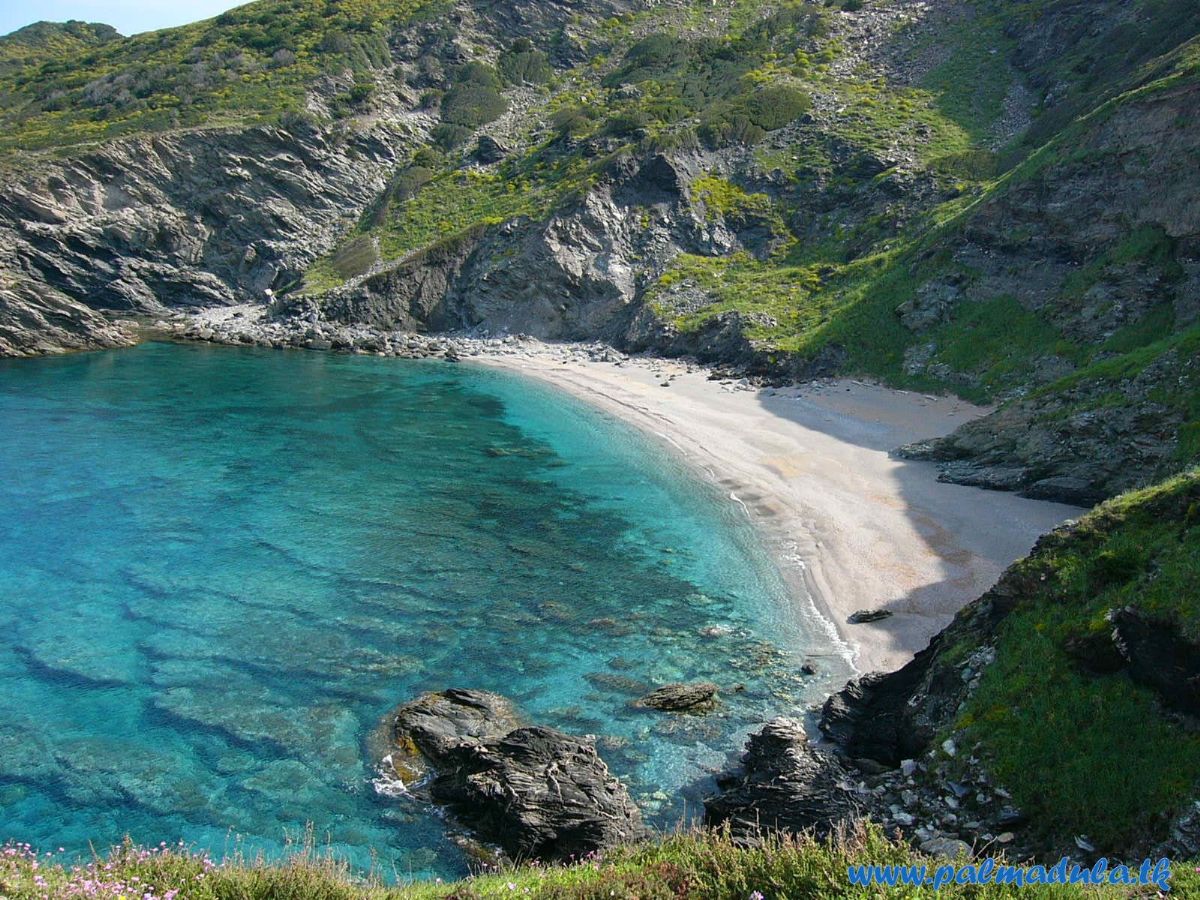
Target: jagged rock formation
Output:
[(193, 219), (1126, 176), (534, 791), (698, 697), (36, 319), (784, 783)]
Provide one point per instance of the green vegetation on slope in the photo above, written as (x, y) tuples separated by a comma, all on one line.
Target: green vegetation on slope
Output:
[(696, 866), (1086, 753), (665, 91), (249, 64), (34, 44)]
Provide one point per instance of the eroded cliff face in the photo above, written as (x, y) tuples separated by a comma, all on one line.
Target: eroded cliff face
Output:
[(36, 319), (1102, 239), (188, 219), (757, 248), (579, 274)]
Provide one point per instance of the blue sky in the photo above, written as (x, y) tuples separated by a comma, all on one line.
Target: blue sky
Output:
[(127, 16)]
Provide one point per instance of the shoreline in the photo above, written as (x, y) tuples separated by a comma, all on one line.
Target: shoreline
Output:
[(848, 527)]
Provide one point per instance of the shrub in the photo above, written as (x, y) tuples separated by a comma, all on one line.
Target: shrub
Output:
[(1113, 567), (652, 56), (625, 124), (360, 93), (774, 106), (298, 121), (571, 121), (522, 63), (735, 129), (447, 136), (475, 98)]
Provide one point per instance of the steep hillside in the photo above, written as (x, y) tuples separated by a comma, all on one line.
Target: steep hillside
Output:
[(991, 198), (1055, 715)]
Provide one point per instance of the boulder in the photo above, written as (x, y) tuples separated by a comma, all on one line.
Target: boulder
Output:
[(784, 783), (1159, 656), (535, 792), (489, 150), (864, 616), (437, 722)]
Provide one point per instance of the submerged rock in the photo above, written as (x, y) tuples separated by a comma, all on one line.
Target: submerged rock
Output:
[(681, 697), (536, 792)]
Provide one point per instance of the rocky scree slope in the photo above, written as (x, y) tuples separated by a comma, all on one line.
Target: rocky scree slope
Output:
[(983, 197)]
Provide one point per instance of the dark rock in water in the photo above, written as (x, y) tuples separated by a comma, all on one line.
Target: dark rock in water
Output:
[(617, 683), (436, 723), (536, 792), (784, 783), (1159, 657), (680, 697), (808, 669), (869, 615)]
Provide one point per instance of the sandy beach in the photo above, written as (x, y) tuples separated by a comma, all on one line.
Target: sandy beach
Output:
[(850, 527)]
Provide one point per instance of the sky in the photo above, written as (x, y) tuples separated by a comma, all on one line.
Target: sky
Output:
[(127, 16)]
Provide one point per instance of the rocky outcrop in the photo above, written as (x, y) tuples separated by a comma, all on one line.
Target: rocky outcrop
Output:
[(785, 783), (910, 749), (1100, 239), (36, 319), (1074, 445), (1159, 657), (536, 792), (577, 275)]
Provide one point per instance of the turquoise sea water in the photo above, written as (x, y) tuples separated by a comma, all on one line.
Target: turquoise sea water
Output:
[(220, 568)]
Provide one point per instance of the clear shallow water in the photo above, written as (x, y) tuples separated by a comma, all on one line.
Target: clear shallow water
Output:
[(220, 568)]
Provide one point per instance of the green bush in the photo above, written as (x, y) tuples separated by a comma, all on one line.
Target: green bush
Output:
[(475, 97), (773, 106), (734, 129), (1113, 567), (447, 136), (651, 57), (571, 121), (522, 63), (625, 124)]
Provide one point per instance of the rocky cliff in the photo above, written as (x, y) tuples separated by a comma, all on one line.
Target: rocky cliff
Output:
[(194, 219)]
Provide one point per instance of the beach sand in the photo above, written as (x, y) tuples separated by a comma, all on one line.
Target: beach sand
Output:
[(850, 527)]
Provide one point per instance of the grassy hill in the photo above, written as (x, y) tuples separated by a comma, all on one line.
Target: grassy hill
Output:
[(61, 85)]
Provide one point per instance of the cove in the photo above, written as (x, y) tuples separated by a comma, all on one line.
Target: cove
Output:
[(220, 568)]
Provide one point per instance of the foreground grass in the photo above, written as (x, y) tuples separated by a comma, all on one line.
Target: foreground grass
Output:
[(697, 864)]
